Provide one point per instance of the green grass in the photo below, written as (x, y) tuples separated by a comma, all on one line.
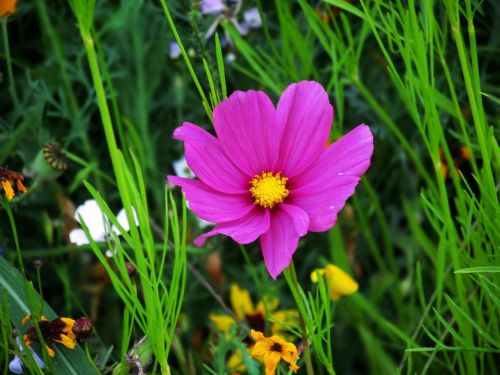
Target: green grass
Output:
[(96, 77)]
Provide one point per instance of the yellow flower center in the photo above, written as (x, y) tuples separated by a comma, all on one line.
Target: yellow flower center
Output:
[(268, 189)]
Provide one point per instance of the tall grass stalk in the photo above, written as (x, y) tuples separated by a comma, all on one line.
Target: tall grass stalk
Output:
[(157, 313)]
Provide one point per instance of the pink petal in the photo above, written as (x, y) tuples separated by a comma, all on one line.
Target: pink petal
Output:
[(288, 224), (207, 160), (210, 204), (300, 219), (322, 203), (323, 189), (246, 124), (305, 115), (244, 230)]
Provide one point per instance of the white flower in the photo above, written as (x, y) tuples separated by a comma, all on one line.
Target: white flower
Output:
[(181, 168), (99, 225), (230, 58), (16, 365), (251, 17)]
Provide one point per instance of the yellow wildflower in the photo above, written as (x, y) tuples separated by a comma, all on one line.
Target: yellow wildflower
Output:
[(245, 311), (339, 282), (7, 7), (255, 316), (62, 330), (272, 350), (58, 330)]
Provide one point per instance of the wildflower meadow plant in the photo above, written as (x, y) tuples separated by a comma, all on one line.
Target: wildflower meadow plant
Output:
[(282, 241), (272, 350), (271, 174)]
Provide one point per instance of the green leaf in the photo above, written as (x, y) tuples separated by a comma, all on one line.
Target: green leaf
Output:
[(479, 270), (66, 361), (344, 5)]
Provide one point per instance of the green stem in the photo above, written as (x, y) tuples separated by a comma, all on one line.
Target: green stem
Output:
[(16, 239), (185, 56), (40, 290), (8, 60), (295, 287), (384, 116), (58, 53)]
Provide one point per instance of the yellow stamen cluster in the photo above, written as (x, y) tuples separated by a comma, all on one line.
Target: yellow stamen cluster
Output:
[(268, 189)]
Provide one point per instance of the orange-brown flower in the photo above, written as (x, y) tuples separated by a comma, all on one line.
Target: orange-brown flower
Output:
[(461, 160), (272, 350), (9, 179), (7, 7), (62, 330)]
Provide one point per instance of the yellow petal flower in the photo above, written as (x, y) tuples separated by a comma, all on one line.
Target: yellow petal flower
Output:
[(260, 348), (222, 322), (7, 7), (241, 302), (9, 191), (272, 350), (66, 341), (235, 362), (284, 320), (50, 351), (271, 360), (340, 282), (21, 187), (256, 335), (268, 304)]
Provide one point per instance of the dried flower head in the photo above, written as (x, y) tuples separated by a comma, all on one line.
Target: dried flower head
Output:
[(55, 156), (83, 328), (461, 160), (10, 179), (131, 270)]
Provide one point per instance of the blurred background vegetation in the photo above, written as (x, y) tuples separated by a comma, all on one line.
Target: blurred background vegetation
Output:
[(420, 236)]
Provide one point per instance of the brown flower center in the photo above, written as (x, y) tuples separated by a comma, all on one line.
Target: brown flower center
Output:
[(276, 347)]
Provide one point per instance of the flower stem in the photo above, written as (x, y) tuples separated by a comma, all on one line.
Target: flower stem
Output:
[(16, 238), (8, 60), (294, 286)]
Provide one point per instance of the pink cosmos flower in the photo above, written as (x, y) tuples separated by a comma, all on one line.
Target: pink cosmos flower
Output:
[(271, 174)]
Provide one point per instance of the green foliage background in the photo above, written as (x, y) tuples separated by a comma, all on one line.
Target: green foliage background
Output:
[(424, 248)]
